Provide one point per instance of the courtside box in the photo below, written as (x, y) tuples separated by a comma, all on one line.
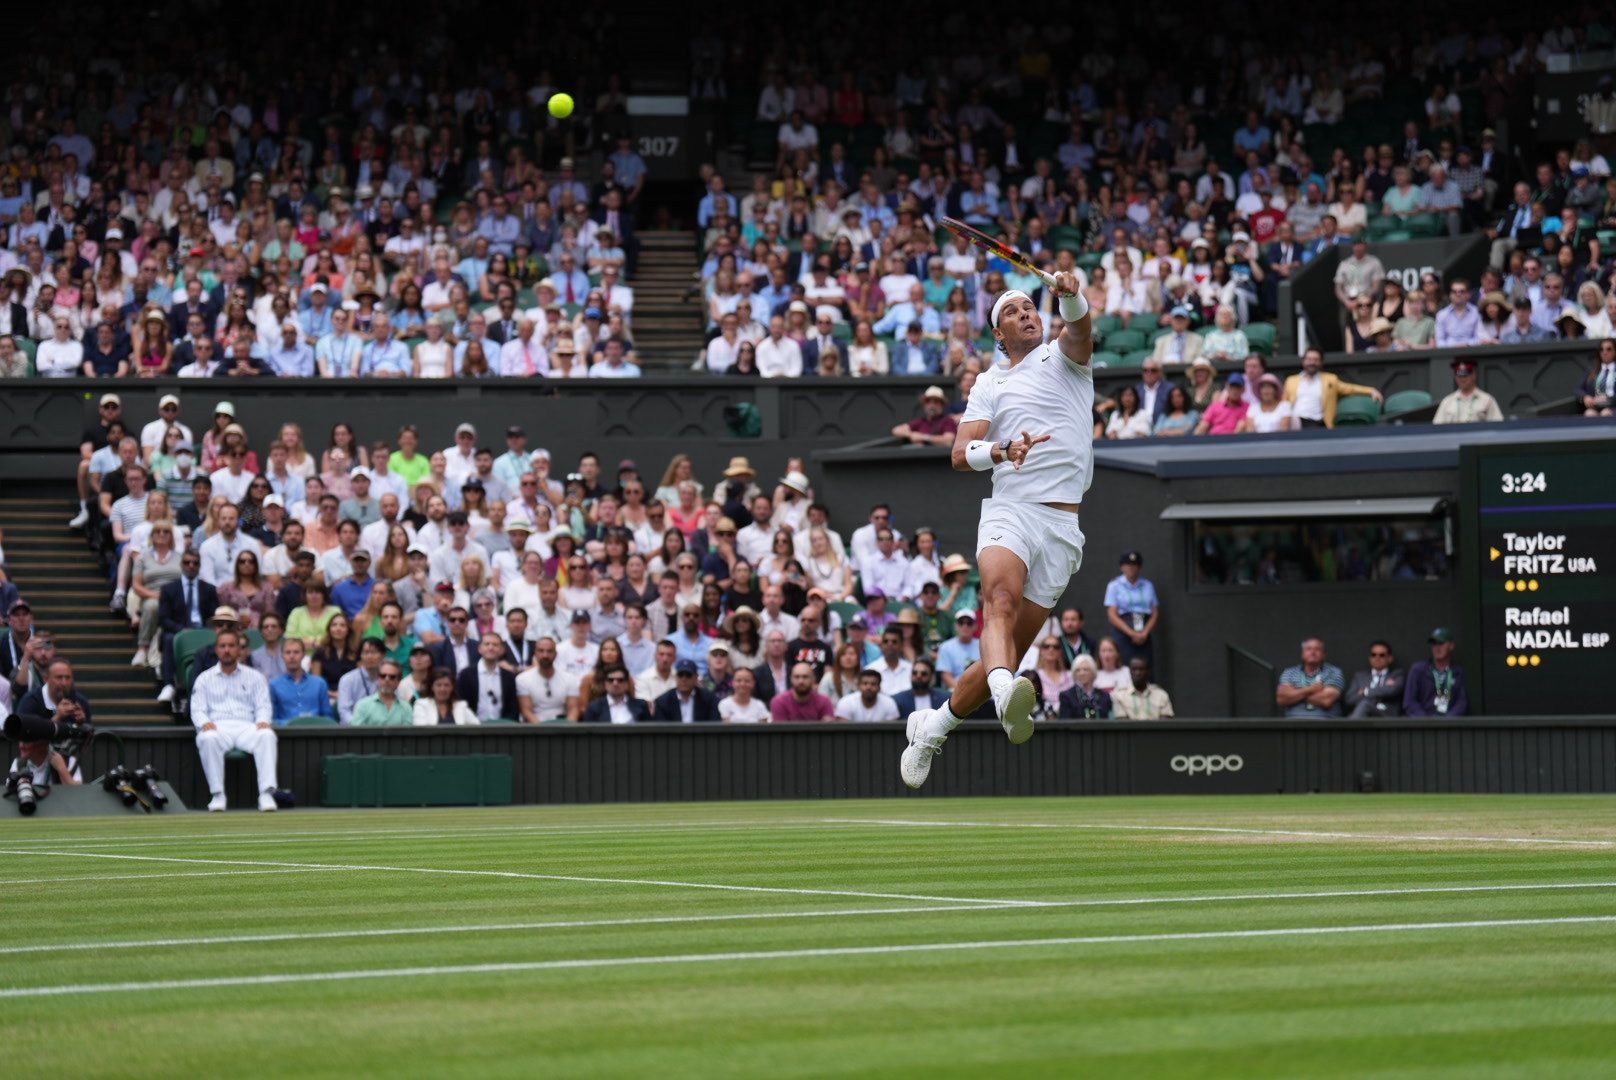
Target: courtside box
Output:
[(380, 780)]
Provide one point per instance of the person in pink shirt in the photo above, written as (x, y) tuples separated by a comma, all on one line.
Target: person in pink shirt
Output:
[(1223, 416), (802, 702)]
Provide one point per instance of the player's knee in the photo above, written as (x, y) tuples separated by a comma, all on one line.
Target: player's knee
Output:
[(208, 739), (1001, 600)]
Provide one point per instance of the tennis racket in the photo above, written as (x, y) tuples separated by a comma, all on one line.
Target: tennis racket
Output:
[(995, 246)]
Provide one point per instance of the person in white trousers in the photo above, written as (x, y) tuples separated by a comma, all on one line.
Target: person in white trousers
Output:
[(231, 709)]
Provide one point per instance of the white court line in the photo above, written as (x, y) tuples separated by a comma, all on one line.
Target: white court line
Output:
[(661, 920), (780, 954), (1103, 827), (418, 834), (530, 877), (152, 877)]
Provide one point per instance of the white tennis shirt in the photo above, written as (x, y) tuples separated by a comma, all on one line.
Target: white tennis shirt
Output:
[(1045, 394)]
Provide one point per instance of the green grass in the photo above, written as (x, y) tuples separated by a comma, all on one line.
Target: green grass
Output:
[(1473, 1001)]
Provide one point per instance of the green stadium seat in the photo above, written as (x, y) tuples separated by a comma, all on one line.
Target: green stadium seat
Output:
[(845, 609), (311, 721), (186, 645), (1158, 332), (1105, 358), (1136, 358), (1125, 341), (1260, 336), (1421, 225), (31, 347), (1379, 226), (842, 331), (1089, 260), (1396, 236), (1404, 401), (494, 720), (1357, 411), (1107, 324)]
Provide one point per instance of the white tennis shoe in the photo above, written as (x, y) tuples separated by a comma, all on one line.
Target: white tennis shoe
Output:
[(924, 744), (1015, 711)]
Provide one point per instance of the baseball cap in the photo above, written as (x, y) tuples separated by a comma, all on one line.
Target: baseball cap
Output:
[(111, 399), (443, 586), (274, 500), (359, 553), (580, 616), (966, 616), (594, 313), (1132, 558), (467, 428), (420, 549), (858, 622), (1181, 312), (114, 234), (1237, 379), (20, 605), (686, 667), (318, 286), (934, 392), (1440, 636), (515, 432), (168, 399)]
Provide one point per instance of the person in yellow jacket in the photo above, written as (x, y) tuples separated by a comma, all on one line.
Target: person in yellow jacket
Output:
[(1313, 394)]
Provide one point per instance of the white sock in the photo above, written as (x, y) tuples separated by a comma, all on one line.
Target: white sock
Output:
[(999, 680), (82, 508), (945, 719)]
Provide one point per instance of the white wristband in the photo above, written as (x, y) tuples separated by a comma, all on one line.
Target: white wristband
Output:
[(1073, 308), (979, 454)]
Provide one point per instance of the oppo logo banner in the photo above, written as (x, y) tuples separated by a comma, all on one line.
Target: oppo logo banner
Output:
[(1206, 764)]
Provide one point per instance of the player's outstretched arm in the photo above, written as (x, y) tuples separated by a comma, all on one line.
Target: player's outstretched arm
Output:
[(1076, 341), (972, 454), (967, 433)]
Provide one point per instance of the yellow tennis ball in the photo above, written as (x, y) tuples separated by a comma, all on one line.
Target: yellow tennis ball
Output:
[(560, 106)]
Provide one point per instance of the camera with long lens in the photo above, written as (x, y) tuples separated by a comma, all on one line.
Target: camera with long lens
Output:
[(120, 781), (68, 739), (135, 787), (20, 786), (39, 729)]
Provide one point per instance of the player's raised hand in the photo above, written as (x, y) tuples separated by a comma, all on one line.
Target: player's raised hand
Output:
[(1066, 283), (1020, 448)]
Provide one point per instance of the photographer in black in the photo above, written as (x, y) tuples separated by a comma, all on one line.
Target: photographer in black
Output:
[(56, 698), (19, 649), (56, 710)]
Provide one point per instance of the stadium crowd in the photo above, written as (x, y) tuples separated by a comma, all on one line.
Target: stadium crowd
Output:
[(1180, 202), (418, 215), (496, 590)]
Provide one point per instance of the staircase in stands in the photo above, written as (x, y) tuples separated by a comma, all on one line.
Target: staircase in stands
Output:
[(59, 578), (667, 326)]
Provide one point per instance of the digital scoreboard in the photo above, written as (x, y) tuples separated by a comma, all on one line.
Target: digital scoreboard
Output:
[(1539, 542)]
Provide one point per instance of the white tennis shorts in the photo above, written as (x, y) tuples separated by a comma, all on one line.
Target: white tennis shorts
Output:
[(1047, 540)]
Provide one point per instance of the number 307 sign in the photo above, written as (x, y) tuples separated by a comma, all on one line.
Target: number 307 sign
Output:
[(661, 126)]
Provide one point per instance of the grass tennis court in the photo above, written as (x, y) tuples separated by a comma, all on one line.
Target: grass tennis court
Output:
[(1174, 937)]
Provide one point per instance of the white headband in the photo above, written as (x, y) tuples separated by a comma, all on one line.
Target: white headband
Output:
[(1004, 298)]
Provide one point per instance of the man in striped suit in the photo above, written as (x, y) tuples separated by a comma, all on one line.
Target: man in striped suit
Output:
[(230, 707)]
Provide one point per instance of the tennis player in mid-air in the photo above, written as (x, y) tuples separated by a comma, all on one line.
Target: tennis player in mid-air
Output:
[(1028, 544)]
